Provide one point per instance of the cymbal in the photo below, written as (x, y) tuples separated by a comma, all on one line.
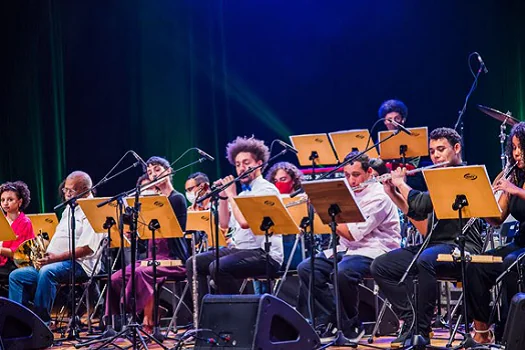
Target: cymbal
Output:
[(502, 117)]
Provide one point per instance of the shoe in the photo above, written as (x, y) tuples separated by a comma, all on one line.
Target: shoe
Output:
[(404, 334), (326, 332), (423, 340), (354, 333)]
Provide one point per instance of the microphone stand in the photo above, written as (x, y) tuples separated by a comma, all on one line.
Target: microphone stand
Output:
[(215, 197), (73, 328), (459, 121)]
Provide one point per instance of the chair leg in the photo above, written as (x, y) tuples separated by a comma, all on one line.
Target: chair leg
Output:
[(173, 322)]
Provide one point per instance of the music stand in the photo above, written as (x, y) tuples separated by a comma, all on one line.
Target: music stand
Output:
[(156, 217), (335, 203), (403, 145), (201, 221), (6, 231), (266, 215), (352, 140), (458, 193), (314, 149), (44, 223)]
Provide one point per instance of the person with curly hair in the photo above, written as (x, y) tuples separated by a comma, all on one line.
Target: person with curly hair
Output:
[(444, 145), (245, 256), (285, 176), (482, 277), (393, 110), (14, 197)]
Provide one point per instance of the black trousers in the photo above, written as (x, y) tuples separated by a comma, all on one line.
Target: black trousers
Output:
[(388, 269), (351, 270), (482, 277), (234, 264)]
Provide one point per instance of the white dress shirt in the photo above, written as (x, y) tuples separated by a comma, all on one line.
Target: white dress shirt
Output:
[(84, 236), (380, 233)]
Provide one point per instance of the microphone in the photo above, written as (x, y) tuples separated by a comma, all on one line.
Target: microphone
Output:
[(138, 158), (485, 69), (205, 155), (400, 127), (288, 147)]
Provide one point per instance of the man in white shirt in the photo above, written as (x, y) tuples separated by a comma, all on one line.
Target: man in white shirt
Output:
[(360, 244), (245, 257), (55, 267)]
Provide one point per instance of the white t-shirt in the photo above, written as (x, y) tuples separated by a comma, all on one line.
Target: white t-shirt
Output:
[(245, 238), (84, 236)]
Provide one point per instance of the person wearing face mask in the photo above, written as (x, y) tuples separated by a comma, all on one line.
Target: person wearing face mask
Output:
[(15, 198), (197, 185), (387, 270), (167, 249), (245, 257)]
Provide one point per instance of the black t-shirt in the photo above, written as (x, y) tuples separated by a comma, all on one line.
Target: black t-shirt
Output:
[(420, 208), (517, 210)]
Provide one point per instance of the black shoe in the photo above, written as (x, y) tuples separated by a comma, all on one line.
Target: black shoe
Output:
[(423, 340), (404, 334), (354, 333), (326, 332)]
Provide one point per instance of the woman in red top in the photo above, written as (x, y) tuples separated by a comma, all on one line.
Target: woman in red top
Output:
[(14, 198)]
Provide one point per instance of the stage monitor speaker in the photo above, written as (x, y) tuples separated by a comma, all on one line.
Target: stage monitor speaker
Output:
[(21, 329), (253, 322), (514, 334)]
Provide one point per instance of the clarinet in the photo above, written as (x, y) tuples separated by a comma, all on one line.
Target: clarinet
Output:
[(506, 174)]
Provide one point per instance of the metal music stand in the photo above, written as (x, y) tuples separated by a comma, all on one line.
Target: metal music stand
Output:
[(44, 223), (314, 150), (352, 140), (403, 145), (458, 193), (335, 203), (156, 220), (266, 215)]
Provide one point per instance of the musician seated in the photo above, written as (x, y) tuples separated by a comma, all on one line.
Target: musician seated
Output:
[(482, 277), (378, 167), (197, 185), (387, 270), (360, 244), (245, 256), (166, 249), (15, 198), (55, 266)]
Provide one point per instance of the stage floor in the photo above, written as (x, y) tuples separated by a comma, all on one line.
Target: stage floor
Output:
[(440, 339)]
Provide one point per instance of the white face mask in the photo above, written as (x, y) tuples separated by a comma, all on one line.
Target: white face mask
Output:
[(191, 197)]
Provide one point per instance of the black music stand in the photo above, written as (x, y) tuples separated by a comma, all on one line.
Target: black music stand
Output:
[(458, 193), (335, 203)]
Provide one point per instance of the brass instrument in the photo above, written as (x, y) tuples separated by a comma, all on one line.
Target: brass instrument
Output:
[(505, 174), (31, 250)]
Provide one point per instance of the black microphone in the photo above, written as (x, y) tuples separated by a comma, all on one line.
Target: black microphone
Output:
[(205, 155), (288, 147), (400, 127), (485, 69), (137, 157)]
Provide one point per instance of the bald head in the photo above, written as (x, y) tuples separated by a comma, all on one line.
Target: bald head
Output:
[(76, 183)]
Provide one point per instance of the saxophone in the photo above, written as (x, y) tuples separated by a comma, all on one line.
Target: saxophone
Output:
[(31, 250)]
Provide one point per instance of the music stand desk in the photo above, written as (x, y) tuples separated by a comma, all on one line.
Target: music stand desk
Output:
[(415, 145)]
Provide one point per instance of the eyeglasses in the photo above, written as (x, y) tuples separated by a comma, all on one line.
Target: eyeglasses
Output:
[(68, 190)]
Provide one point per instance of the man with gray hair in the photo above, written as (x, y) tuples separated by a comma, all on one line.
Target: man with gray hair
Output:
[(55, 266)]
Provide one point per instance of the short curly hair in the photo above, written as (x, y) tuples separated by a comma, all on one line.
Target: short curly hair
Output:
[(21, 190), (451, 135), (390, 106), (364, 159), (251, 145), (290, 169)]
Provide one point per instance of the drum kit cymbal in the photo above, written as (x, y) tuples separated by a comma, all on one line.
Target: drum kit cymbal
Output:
[(505, 119)]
